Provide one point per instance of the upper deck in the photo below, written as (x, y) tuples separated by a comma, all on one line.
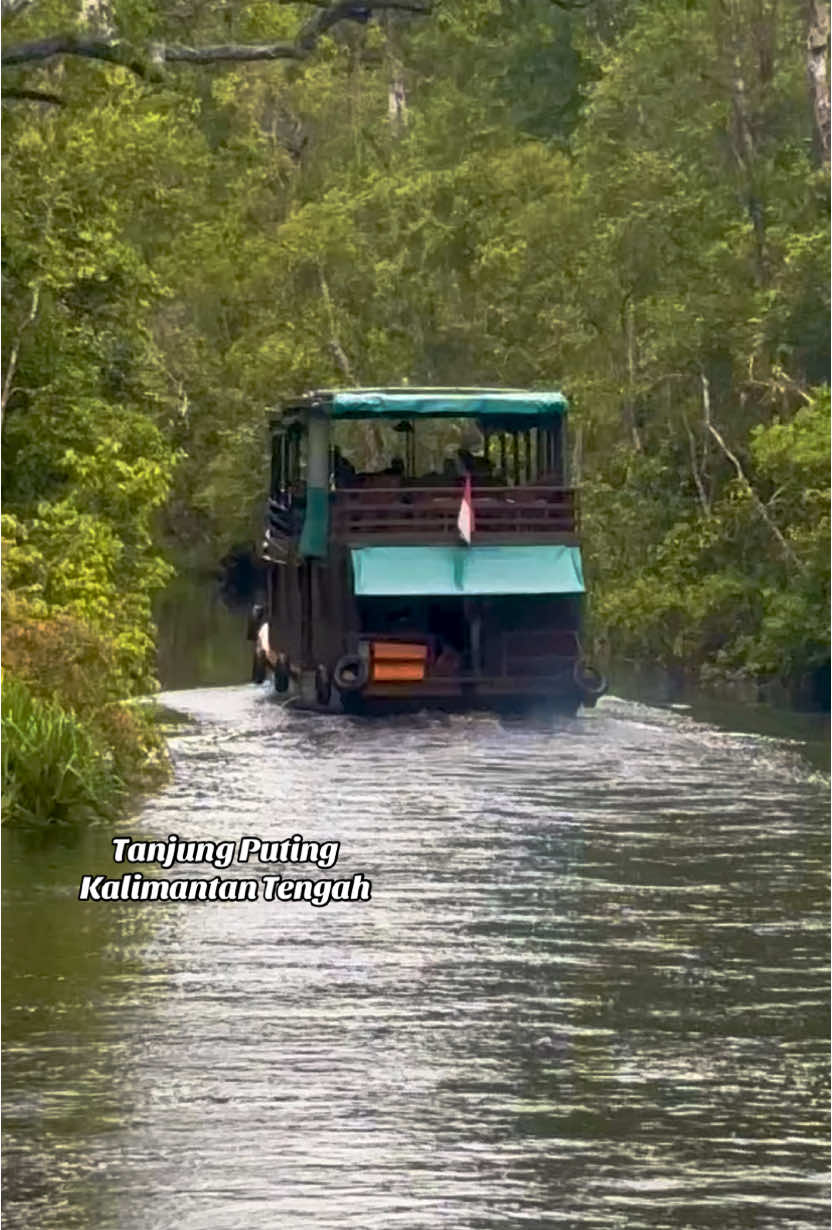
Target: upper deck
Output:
[(516, 464)]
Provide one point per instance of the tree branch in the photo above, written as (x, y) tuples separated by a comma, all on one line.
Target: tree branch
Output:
[(144, 60), (334, 345), (758, 503), (694, 469), (41, 96), (113, 50), (706, 420), (15, 351), (118, 51), (176, 53)]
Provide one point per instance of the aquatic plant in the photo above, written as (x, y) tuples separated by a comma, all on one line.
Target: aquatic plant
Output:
[(54, 769)]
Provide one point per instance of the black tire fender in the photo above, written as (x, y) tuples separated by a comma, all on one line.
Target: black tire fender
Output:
[(351, 673), (588, 680)]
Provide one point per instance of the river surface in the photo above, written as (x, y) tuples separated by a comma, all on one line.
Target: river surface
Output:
[(590, 988)]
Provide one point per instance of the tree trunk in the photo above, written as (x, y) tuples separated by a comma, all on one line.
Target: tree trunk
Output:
[(817, 62), (733, 31)]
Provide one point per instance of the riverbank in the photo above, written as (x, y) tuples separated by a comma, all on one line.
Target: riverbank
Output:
[(808, 694), (75, 745), (61, 767), (807, 731)]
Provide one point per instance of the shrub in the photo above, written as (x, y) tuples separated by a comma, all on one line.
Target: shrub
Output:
[(59, 657), (54, 770)]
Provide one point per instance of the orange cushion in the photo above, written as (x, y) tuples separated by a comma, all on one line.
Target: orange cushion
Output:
[(391, 651), (398, 672)]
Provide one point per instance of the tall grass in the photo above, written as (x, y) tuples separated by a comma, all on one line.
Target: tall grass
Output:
[(53, 769)]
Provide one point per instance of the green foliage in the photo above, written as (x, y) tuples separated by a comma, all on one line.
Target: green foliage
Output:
[(793, 459), (87, 462), (60, 661), (719, 592), (53, 769)]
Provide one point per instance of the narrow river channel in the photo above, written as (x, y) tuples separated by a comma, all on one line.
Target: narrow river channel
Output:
[(590, 989)]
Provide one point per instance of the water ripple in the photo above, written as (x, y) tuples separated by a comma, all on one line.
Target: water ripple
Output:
[(591, 988)]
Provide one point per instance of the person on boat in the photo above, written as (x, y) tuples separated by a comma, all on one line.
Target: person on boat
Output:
[(390, 476), (464, 461), (343, 471), (468, 463), (258, 631), (450, 469)]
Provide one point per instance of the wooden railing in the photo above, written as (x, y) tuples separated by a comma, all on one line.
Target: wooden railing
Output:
[(430, 513)]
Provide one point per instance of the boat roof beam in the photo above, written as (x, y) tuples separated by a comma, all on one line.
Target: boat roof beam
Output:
[(502, 409)]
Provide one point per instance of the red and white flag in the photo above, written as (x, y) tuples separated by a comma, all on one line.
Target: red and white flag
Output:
[(465, 520)]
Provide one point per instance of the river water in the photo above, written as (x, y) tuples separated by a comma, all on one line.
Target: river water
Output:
[(590, 988)]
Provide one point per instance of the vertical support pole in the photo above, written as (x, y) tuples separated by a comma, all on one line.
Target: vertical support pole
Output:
[(274, 477), (557, 452), (314, 539), (307, 614), (317, 457)]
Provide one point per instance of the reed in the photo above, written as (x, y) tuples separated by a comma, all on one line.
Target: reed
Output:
[(53, 768)]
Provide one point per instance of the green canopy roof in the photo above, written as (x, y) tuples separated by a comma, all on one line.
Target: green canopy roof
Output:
[(457, 403), (441, 571)]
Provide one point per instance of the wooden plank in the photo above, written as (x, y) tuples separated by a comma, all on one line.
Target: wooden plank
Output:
[(451, 538)]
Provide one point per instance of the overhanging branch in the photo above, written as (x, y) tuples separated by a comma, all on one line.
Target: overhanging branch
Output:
[(756, 501), (38, 96), (144, 60), (112, 50), (176, 53)]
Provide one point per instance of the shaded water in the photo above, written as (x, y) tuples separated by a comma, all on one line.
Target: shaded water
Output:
[(590, 989), (202, 640)]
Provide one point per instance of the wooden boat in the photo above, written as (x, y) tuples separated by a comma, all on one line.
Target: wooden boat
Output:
[(411, 586)]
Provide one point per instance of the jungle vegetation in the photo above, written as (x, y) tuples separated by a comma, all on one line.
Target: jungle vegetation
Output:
[(210, 205)]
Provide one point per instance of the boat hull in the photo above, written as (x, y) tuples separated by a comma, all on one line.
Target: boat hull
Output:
[(446, 695), (507, 703)]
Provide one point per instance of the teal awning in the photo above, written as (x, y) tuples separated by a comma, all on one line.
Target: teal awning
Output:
[(442, 571), (460, 403)]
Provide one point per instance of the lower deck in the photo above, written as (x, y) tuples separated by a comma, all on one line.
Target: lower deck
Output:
[(333, 632)]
